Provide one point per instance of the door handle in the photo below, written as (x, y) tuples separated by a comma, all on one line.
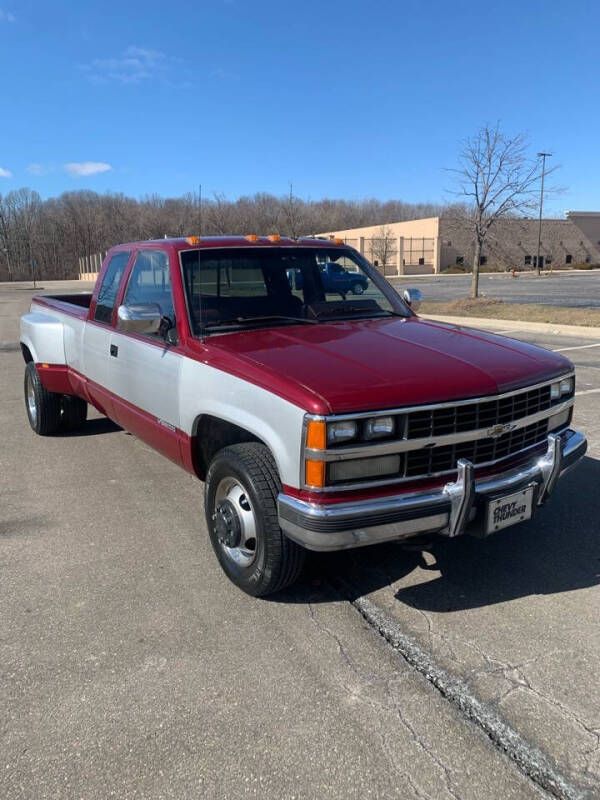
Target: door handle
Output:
[(114, 350)]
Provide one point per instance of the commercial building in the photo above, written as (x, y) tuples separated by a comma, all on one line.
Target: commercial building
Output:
[(436, 243)]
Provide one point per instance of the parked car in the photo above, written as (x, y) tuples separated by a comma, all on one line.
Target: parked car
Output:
[(314, 422), (336, 279)]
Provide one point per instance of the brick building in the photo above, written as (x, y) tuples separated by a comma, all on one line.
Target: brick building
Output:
[(436, 243)]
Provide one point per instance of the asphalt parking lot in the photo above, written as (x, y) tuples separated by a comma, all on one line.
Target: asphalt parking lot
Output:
[(131, 668), (574, 289)]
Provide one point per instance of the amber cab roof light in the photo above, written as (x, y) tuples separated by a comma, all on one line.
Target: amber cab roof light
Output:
[(193, 240), (252, 237), (274, 237)]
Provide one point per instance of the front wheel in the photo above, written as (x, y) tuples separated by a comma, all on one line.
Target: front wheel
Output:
[(43, 407), (241, 513), (358, 288)]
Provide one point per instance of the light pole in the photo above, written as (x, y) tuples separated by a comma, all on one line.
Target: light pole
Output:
[(543, 156)]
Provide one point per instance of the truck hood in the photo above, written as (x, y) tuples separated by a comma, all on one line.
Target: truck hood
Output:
[(363, 365)]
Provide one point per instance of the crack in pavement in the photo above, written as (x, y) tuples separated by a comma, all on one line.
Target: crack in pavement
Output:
[(391, 707), (532, 761)]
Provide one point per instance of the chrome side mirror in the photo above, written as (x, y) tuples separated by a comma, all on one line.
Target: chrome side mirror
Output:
[(139, 318), (412, 298)]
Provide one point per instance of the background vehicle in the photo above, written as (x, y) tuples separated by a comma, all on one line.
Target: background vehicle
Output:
[(335, 279), (315, 421)]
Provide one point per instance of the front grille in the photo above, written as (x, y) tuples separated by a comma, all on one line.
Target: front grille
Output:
[(431, 460), (479, 414)]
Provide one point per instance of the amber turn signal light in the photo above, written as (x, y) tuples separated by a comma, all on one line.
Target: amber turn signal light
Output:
[(315, 473), (316, 435)]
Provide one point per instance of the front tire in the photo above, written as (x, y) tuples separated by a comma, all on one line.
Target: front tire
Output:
[(240, 502), (358, 288), (43, 407)]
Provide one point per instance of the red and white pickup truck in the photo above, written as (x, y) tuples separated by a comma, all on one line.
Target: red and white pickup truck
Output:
[(316, 419)]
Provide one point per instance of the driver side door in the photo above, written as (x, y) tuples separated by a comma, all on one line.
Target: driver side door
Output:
[(143, 370)]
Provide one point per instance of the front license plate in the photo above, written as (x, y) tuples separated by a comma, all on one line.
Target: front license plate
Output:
[(510, 509)]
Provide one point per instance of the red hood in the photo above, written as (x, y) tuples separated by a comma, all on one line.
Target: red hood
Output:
[(375, 364)]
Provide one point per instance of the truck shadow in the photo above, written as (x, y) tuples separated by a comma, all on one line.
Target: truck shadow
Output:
[(557, 551), (92, 427)]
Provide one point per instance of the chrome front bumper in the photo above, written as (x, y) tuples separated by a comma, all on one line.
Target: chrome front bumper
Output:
[(450, 511)]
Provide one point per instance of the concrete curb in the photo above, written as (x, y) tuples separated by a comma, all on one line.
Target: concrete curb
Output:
[(579, 331)]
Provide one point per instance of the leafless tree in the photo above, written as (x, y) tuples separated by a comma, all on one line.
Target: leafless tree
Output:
[(495, 178), (383, 246)]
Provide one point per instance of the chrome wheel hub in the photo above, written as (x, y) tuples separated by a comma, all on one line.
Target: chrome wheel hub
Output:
[(31, 405), (234, 522)]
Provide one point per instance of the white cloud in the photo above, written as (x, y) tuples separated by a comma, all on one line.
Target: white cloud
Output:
[(6, 16), (38, 169), (82, 169), (134, 65), (5, 173)]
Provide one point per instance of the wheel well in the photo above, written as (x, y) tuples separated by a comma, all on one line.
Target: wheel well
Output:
[(213, 434), (26, 353)]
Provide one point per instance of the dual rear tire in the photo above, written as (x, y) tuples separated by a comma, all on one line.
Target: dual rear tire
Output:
[(48, 411)]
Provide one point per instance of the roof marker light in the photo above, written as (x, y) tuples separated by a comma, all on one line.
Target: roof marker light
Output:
[(274, 237), (252, 237), (337, 240), (193, 240)]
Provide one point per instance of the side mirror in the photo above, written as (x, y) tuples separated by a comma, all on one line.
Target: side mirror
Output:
[(412, 298), (139, 318)]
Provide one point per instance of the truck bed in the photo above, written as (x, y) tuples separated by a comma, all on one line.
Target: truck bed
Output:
[(75, 304)]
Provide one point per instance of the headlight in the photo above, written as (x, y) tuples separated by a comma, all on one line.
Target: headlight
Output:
[(559, 420), (566, 386), (363, 468), (555, 391), (377, 427), (341, 431)]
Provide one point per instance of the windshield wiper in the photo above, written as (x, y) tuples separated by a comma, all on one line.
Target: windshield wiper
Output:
[(270, 318), (338, 311)]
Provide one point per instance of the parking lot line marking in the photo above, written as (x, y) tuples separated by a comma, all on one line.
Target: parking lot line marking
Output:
[(577, 347), (587, 391)]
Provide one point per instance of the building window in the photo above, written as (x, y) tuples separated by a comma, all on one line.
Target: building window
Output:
[(587, 259), (527, 261), (421, 262), (460, 260), (482, 261), (548, 259), (568, 258)]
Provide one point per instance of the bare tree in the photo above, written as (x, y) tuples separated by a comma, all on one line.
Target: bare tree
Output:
[(496, 178), (383, 246)]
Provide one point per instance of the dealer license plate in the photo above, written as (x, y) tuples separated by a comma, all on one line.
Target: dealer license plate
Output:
[(510, 509)]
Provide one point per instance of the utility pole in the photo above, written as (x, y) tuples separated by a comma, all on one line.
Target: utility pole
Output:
[(543, 156)]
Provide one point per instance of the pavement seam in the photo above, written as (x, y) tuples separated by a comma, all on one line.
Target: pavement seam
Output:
[(531, 761)]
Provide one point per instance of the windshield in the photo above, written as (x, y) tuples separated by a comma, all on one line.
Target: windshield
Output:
[(233, 288)]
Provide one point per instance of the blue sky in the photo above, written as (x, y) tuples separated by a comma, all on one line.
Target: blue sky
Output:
[(346, 99)]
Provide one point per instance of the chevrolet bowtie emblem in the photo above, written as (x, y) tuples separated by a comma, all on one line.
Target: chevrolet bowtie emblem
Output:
[(498, 430)]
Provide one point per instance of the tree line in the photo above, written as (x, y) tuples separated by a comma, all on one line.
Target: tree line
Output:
[(52, 234)]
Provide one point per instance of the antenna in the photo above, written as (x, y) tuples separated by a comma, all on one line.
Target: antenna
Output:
[(199, 209)]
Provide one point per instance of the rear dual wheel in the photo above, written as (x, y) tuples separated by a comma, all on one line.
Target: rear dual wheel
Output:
[(241, 513), (49, 411)]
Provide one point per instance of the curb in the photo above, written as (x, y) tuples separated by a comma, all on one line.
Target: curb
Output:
[(579, 331)]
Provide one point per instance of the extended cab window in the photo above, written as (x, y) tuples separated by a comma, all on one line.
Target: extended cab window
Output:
[(107, 294), (229, 288), (150, 282)]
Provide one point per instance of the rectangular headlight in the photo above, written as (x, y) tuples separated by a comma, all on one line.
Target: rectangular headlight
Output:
[(566, 386), (555, 391), (378, 427), (559, 420), (342, 431), (363, 468)]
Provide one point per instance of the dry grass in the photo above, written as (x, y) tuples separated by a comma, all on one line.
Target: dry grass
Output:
[(522, 312)]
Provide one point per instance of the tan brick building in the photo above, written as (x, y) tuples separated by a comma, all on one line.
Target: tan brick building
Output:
[(436, 243)]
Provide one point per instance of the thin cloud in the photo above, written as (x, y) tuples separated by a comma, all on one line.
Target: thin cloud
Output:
[(5, 173), (83, 169), (6, 16), (38, 169), (133, 65)]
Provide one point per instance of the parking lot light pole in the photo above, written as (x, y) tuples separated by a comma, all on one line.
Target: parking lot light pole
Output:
[(543, 156)]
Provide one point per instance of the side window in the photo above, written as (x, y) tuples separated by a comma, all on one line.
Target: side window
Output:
[(107, 293), (150, 282)]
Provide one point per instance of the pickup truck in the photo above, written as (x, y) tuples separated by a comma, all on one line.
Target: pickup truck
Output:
[(315, 421), (335, 278)]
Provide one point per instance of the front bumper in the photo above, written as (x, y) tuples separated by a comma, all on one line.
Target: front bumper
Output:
[(452, 510)]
